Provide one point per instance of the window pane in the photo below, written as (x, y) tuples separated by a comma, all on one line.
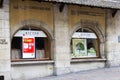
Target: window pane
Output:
[(41, 47), (92, 47), (16, 42), (84, 44), (16, 47), (40, 51)]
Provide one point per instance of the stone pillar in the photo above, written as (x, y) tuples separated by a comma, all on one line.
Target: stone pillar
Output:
[(5, 41), (112, 39), (62, 51)]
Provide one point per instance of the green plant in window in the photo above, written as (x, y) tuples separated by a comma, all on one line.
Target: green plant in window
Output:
[(91, 52)]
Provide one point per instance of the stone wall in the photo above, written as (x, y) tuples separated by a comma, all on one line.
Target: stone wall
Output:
[(112, 43), (62, 45), (62, 62), (29, 70), (5, 41), (82, 66)]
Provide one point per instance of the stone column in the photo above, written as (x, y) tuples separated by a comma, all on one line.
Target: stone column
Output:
[(5, 41), (62, 45), (112, 39)]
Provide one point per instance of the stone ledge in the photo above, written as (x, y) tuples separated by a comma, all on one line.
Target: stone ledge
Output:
[(88, 60), (32, 62)]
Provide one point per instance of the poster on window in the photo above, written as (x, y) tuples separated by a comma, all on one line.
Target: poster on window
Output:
[(79, 48), (28, 49)]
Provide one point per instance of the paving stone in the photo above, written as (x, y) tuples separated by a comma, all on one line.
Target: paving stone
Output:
[(98, 74)]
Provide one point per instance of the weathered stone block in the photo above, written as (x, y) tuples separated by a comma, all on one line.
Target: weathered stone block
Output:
[(5, 65), (5, 33)]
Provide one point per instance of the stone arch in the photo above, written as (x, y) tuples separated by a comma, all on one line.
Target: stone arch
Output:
[(95, 27), (38, 25), (34, 23)]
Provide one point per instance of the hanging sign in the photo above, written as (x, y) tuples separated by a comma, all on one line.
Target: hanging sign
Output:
[(28, 49), (84, 35), (32, 33)]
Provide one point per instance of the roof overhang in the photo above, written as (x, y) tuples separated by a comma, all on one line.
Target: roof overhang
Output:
[(114, 4)]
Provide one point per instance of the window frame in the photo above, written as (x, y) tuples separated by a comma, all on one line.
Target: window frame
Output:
[(98, 54), (48, 52)]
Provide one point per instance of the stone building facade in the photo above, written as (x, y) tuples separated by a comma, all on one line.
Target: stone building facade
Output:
[(58, 25)]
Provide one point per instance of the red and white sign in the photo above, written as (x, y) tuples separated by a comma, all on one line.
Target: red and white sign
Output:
[(28, 49)]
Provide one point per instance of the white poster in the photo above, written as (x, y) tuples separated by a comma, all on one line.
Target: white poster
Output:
[(79, 48)]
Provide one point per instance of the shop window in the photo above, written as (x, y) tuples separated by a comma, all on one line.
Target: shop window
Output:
[(84, 44), (30, 45)]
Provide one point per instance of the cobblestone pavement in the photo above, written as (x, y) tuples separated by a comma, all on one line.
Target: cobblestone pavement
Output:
[(99, 74)]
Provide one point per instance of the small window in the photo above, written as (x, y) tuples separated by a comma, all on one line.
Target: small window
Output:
[(84, 44), (30, 45)]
